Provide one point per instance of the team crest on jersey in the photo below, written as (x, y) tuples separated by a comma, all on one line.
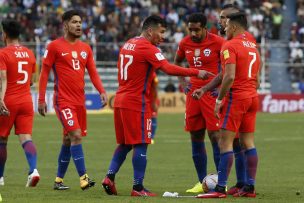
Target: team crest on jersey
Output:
[(197, 52), (70, 122), (207, 52), (74, 54), (83, 54)]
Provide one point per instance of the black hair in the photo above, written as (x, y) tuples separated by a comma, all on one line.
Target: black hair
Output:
[(230, 6), (198, 18), (240, 18), (153, 21), (12, 28), (69, 14)]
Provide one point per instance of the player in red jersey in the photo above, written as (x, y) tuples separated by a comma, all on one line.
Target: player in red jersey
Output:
[(237, 148), (241, 63), (201, 49), (154, 105), (68, 57), (17, 63), (139, 57)]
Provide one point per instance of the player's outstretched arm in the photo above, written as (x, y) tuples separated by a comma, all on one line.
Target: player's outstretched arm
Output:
[(43, 79), (171, 69), (182, 80), (3, 84)]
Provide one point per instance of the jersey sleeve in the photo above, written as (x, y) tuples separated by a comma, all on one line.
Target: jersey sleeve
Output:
[(154, 56), (91, 67), (180, 50), (228, 54), (49, 55), (2, 61)]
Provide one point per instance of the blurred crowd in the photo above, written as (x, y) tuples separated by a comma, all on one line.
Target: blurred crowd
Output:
[(296, 48), (114, 21)]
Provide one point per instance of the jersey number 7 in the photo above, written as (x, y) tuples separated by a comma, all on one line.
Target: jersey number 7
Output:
[(124, 67)]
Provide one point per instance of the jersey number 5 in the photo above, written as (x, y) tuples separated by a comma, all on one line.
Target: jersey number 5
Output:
[(253, 54), (124, 67), (20, 70)]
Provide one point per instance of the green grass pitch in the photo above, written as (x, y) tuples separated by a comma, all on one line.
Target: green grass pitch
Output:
[(279, 141)]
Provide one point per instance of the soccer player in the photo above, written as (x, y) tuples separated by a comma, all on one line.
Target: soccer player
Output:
[(201, 49), (139, 57), (68, 57), (237, 149), (241, 62), (154, 105), (17, 63)]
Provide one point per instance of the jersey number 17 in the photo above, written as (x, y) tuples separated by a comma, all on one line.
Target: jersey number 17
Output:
[(125, 62)]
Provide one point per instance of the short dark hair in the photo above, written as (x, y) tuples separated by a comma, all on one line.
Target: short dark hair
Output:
[(69, 14), (152, 21), (230, 6), (240, 18), (198, 18), (12, 28)]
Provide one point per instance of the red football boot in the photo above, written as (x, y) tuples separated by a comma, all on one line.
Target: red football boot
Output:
[(109, 186)]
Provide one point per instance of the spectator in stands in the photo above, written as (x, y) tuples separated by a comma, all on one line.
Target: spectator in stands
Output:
[(301, 86), (170, 87)]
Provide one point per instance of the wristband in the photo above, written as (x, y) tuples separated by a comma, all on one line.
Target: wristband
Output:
[(217, 101)]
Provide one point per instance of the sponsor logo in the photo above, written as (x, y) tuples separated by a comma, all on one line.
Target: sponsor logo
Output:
[(188, 51), (226, 54), (197, 52), (149, 134), (207, 52), (281, 105), (83, 54), (63, 54), (74, 54), (70, 122), (143, 155), (159, 56), (45, 53)]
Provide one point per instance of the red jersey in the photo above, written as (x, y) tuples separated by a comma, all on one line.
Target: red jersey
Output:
[(153, 94), (203, 56), (20, 63), (250, 37), (138, 60), (243, 52), (68, 62)]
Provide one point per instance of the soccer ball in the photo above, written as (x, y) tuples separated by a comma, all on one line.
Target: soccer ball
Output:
[(209, 182)]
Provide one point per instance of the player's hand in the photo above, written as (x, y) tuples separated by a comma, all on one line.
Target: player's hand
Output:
[(198, 93), (104, 99), (3, 109), (186, 86), (42, 109), (217, 109), (204, 74)]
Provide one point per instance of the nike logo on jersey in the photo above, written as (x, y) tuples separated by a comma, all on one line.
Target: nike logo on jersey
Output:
[(187, 51), (63, 54)]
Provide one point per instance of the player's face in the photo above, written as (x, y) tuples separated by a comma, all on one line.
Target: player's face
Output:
[(223, 21), (223, 18), (74, 27), (230, 29), (158, 34), (196, 31)]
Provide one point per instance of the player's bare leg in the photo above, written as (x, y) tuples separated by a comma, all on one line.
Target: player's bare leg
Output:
[(78, 157)]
